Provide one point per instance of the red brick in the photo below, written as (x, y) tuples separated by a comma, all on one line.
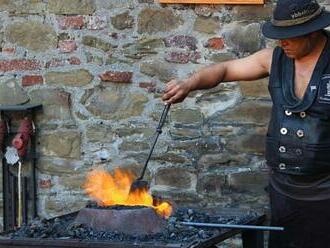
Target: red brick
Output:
[(45, 183), (181, 41), (19, 65), (151, 87), (75, 22), (215, 43), (183, 57), (117, 77), (74, 61), (146, 85), (9, 50), (67, 46), (29, 80)]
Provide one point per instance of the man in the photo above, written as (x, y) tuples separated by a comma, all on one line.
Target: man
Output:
[(298, 137)]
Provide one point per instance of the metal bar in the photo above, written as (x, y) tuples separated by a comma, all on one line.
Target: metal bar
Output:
[(13, 194), (33, 171), (5, 187), (253, 227), (158, 132), (25, 200), (6, 195), (226, 233), (253, 239), (23, 107)]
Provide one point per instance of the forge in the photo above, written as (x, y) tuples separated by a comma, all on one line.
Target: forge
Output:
[(131, 220), (115, 217), (66, 231)]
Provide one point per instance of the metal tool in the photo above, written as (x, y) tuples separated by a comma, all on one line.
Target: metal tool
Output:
[(13, 158), (14, 155), (140, 184), (233, 226)]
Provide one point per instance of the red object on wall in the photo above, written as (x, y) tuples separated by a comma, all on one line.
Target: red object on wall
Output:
[(21, 140)]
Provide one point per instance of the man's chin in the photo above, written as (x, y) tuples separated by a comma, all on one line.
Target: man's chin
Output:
[(291, 55)]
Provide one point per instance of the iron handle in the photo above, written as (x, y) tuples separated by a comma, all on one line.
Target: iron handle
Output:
[(233, 226)]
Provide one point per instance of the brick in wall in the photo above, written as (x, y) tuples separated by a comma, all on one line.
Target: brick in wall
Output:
[(74, 22), (30, 80), (19, 65), (117, 77)]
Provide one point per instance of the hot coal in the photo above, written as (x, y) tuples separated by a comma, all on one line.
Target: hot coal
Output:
[(114, 207), (64, 228)]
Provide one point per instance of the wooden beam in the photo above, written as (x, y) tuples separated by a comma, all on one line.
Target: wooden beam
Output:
[(215, 1)]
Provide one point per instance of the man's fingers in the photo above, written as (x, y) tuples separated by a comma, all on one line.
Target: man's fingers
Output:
[(168, 95), (170, 91), (175, 96), (170, 85), (175, 99), (174, 92)]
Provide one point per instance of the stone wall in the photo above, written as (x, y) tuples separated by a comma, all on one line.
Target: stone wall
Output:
[(99, 67)]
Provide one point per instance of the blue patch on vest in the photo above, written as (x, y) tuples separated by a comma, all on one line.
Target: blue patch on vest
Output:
[(324, 89)]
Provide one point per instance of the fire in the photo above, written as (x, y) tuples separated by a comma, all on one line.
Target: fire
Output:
[(108, 190)]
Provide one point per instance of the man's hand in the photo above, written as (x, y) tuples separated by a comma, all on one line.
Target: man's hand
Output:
[(176, 91)]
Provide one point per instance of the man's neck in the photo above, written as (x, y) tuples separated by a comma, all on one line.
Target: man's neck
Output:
[(318, 44)]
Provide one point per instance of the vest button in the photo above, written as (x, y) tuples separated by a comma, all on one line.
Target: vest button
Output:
[(282, 149), (300, 133), (302, 114), (298, 151), (284, 131), (282, 166), (288, 113)]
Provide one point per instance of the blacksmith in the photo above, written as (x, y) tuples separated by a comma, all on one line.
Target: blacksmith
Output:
[(298, 137)]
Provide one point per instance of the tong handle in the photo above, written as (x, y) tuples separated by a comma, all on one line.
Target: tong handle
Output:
[(163, 118), (158, 132)]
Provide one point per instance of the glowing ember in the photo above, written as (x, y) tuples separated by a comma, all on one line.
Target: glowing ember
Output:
[(108, 190)]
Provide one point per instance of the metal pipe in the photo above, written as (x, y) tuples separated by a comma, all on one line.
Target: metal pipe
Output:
[(19, 189), (233, 226)]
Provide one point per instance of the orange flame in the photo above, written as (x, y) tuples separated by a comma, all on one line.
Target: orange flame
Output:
[(108, 190)]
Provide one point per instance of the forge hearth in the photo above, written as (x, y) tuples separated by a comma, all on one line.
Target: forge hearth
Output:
[(131, 220), (65, 232)]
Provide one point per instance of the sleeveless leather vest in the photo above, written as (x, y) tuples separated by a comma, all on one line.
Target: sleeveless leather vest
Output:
[(298, 138)]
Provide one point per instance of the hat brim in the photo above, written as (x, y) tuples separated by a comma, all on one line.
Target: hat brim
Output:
[(275, 32)]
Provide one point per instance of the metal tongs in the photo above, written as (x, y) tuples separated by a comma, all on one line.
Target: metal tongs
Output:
[(13, 158), (139, 183)]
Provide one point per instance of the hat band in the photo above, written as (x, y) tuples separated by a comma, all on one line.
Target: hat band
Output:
[(300, 20)]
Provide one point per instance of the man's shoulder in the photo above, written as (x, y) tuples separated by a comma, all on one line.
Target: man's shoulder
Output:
[(266, 52), (265, 56)]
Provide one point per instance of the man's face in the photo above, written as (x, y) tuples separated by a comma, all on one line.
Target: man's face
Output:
[(297, 47)]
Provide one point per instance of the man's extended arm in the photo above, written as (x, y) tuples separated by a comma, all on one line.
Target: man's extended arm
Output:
[(252, 67)]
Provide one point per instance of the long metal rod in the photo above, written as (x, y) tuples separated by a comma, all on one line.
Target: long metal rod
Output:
[(33, 181), (158, 132), (13, 200), (263, 228), (19, 192), (25, 200)]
